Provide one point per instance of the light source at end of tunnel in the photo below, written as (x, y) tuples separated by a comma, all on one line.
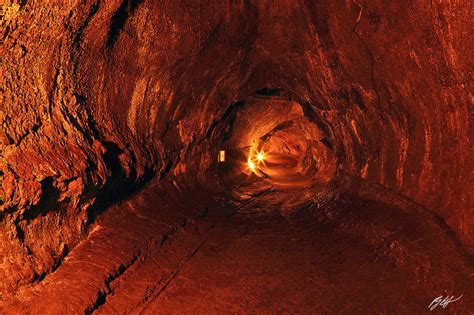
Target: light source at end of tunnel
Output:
[(251, 165), (255, 158)]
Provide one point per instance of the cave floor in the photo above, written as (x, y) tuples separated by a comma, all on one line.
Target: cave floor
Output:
[(266, 257), (263, 261), (151, 254)]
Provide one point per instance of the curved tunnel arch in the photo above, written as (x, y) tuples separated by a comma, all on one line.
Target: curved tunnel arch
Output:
[(362, 111)]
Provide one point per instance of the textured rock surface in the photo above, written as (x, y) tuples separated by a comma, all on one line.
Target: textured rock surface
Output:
[(98, 97)]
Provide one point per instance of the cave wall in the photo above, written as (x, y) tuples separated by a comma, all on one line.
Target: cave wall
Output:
[(99, 96)]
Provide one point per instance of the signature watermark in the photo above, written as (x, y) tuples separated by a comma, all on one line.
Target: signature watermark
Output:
[(443, 301)]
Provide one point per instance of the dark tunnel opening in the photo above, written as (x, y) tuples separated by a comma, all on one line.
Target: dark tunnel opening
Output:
[(236, 157)]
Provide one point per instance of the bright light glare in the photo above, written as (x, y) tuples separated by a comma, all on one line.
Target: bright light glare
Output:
[(251, 165), (255, 159)]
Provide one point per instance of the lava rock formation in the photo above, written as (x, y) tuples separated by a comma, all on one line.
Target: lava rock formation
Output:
[(113, 114)]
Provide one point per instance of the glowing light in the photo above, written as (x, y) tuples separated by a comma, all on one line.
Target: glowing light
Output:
[(251, 165), (221, 157), (260, 156)]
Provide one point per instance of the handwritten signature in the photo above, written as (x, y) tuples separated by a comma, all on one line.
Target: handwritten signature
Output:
[(443, 301)]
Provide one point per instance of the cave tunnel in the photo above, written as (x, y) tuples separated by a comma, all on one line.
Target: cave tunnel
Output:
[(247, 156)]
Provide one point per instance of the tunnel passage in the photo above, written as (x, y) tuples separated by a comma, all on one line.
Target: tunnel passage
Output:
[(271, 144), (286, 148), (113, 115)]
